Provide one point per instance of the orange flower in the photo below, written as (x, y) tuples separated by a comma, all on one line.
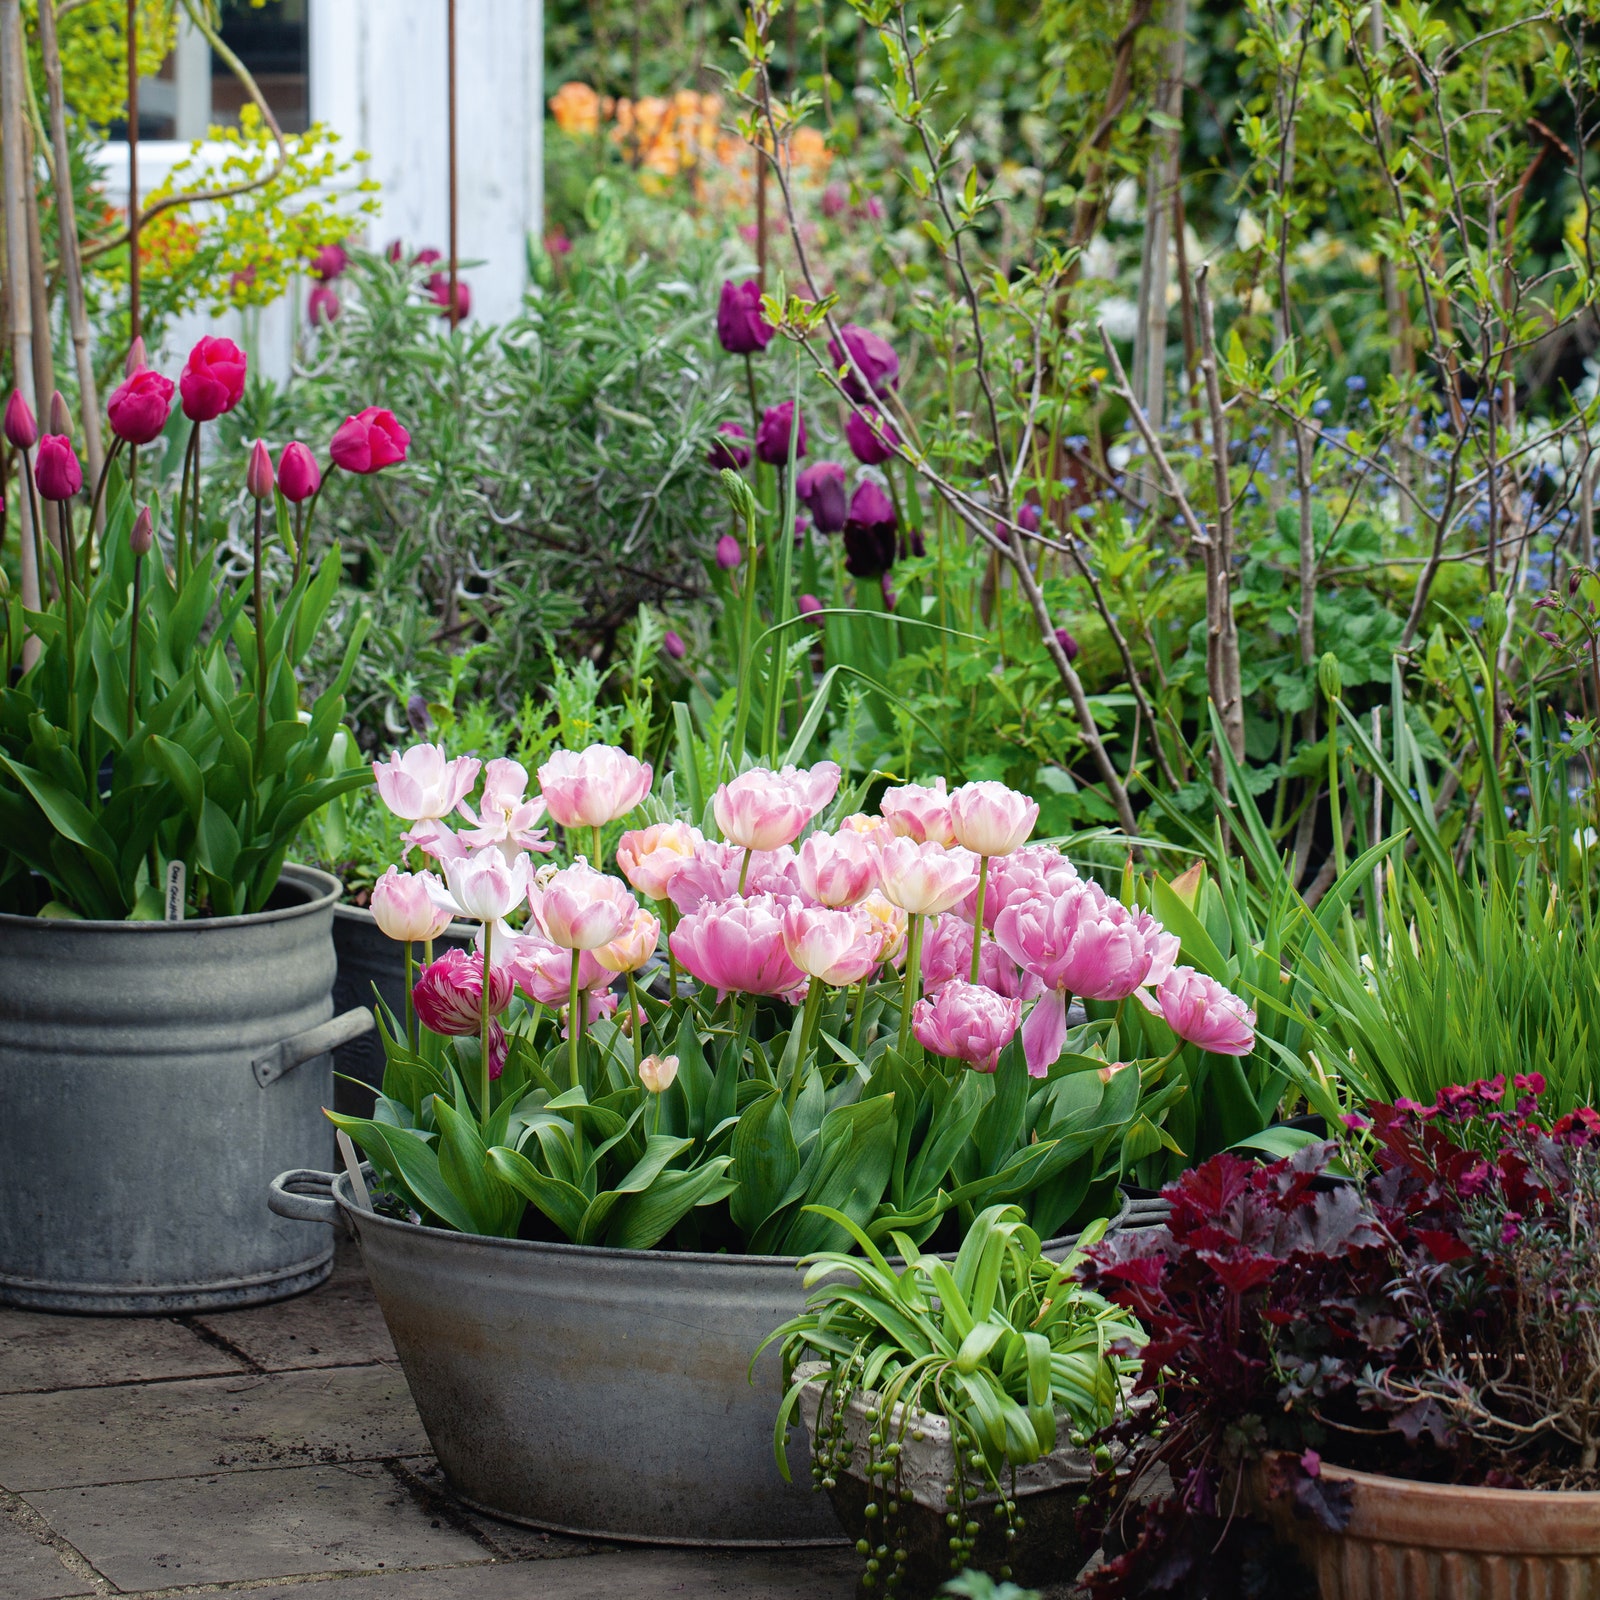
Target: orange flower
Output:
[(576, 108)]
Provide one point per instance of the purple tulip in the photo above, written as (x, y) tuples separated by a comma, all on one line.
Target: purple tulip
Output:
[(1029, 517), (869, 533), (772, 435), (322, 306), (820, 488), (672, 643), (808, 605), (732, 450), (1069, 645), (886, 584), (741, 327), (870, 355), (729, 552), (871, 436)]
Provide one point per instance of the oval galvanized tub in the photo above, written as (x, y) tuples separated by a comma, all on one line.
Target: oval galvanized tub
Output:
[(153, 1078), (584, 1390)]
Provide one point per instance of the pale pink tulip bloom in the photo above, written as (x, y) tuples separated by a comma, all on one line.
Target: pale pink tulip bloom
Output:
[(1200, 1011), (919, 811), (657, 1073), (713, 875), (1164, 947), (506, 819), (433, 838), (889, 924), (991, 820), (947, 954), (594, 786), (967, 1022), (925, 879), (650, 858), (581, 909), (762, 810), (449, 993), (543, 971), (403, 908), (875, 830), (632, 948), (837, 869), (483, 888), (737, 947), (837, 948), (424, 782)]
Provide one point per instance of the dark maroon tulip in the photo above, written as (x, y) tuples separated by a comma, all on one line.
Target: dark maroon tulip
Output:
[(873, 357), (258, 477), (820, 488), (1069, 645), (143, 533), (741, 327), (672, 643), (369, 441), (140, 405), (729, 552), (869, 533), (732, 450), (21, 427), (772, 435), (212, 380), (322, 305), (57, 471), (1029, 517), (298, 475), (329, 261), (871, 436), (886, 585)]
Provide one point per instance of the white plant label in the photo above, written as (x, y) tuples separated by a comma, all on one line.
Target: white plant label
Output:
[(175, 883)]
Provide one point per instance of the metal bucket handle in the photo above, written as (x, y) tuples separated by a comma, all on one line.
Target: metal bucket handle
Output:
[(303, 1196), (306, 1046)]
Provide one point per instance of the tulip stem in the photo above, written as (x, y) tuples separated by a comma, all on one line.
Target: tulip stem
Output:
[(744, 871), (68, 567), (483, 1064), (908, 997), (599, 850), (411, 999), (574, 1022), (861, 1009), (180, 533), (261, 659), (635, 1024), (40, 565), (669, 920), (808, 1021), (133, 470), (133, 639), (94, 506), (977, 918)]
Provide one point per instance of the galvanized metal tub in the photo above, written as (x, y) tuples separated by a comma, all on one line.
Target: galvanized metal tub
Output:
[(153, 1077), (369, 959)]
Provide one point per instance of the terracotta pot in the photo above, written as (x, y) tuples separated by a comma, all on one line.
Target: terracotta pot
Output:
[(1435, 1541)]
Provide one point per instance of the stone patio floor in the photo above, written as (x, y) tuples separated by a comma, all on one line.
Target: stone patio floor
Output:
[(276, 1452)]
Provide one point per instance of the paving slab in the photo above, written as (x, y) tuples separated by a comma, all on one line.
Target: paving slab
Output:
[(338, 1324), (233, 1527), (41, 1351), (31, 1570), (640, 1574), (186, 1429)]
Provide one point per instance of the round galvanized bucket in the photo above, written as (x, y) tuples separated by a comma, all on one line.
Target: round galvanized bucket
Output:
[(153, 1077)]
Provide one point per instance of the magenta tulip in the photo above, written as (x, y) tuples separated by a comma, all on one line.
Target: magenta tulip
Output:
[(590, 788), (21, 427), (212, 380), (871, 358), (1200, 1011), (820, 489), (57, 471), (329, 262), (258, 478), (449, 993), (438, 288), (967, 1022), (369, 441), (298, 474), (773, 433), (869, 532), (322, 306), (140, 405), (424, 782), (143, 533), (742, 328), (737, 947)]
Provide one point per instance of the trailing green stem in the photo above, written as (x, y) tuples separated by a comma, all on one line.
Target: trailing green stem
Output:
[(977, 919), (483, 1064), (808, 1022), (913, 978), (574, 1022)]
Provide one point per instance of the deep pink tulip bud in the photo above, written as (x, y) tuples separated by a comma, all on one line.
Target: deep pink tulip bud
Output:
[(258, 475), (60, 417), (136, 357), (395, 251), (772, 434), (22, 430), (322, 306), (426, 258), (737, 946), (143, 533), (57, 471), (871, 356), (298, 475), (672, 643), (808, 605), (212, 380), (1199, 1010), (991, 820), (449, 993), (731, 449), (329, 262), (369, 441), (438, 287), (761, 810), (589, 788), (966, 1022), (820, 488), (729, 552), (140, 405), (871, 436), (1069, 645), (1029, 518), (741, 327)]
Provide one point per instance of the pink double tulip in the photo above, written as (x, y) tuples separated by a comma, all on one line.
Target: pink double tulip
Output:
[(424, 782), (589, 788), (484, 887), (506, 819), (1200, 1011), (633, 947), (737, 947), (888, 925), (947, 954), (403, 907), (991, 820), (837, 869), (967, 1022), (925, 879), (837, 948), (713, 873), (919, 811), (761, 810), (650, 858), (449, 993), (543, 971), (581, 909), (875, 830), (1036, 872)]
